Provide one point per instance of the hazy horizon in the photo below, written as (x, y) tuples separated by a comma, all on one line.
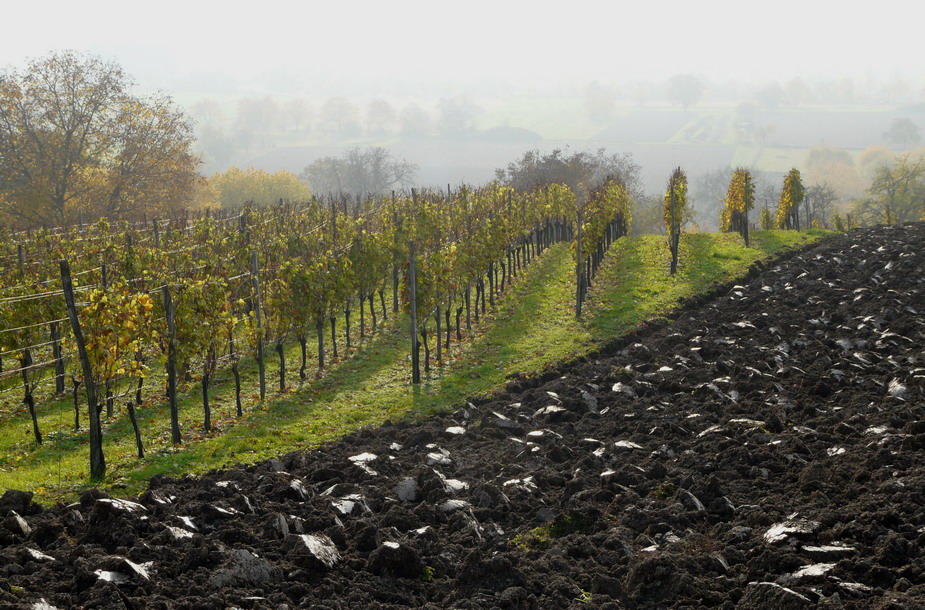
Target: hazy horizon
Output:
[(496, 79), (178, 45)]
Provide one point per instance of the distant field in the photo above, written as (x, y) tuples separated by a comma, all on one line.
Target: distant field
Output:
[(853, 128), (659, 136), (553, 118), (647, 125), (780, 159)]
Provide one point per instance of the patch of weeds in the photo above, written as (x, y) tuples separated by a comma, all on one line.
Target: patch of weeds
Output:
[(665, 490), (536, 539), (428, 574), (621, 373), (584, 597), (540, 538)]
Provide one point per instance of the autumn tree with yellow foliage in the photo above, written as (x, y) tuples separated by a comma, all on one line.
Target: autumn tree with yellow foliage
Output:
[(791, 196), (237, 186), (740, 198), (74, 140), (675, 210)]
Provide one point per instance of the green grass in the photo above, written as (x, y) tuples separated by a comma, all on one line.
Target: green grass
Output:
[(532, 327)]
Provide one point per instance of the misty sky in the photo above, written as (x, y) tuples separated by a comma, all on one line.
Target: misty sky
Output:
[(162, 42)]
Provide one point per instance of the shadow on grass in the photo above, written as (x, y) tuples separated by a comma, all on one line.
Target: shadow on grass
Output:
[(530, 335)]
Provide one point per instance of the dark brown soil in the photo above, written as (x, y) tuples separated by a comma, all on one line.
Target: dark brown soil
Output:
[(763, 449)]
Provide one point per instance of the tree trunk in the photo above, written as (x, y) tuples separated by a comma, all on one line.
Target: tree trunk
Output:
[(459, 311), (141, 383), (426, 349), (76, 405), (449, 329), (30, 402), (207, 411), (134, 420), (28, 398), (482, 291), (282, 366), (362, 316), (394, 287), (319, 328), (347, 313), (334, 338), (109, 399), (303, 344), (372, 310), (382, 301), (59, 358), (478, 293), (439, 336), (237, 389)]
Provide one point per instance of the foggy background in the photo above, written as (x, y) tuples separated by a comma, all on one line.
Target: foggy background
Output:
[(462, 90)]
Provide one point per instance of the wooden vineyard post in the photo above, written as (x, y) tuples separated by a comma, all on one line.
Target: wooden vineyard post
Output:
[(236, 373), (468, 299), (412, 281), (97, 459), (347, 312), (673, 229), (58, 355), (394, 258), (255, 278), (578, 271), (104, 270), (333, 221), (76, 383), (362, 316), (745, 211), (172, 367), (439, 336)]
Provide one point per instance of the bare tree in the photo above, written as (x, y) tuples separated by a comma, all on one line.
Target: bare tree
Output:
[(298, 114), (903, 134), (685, 89), (260, 115), (207, 113), (455, 116), (373, 171), (381, 117), (577, 170), (708, 193), (339, 117), (821, 200), (414, 121)]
